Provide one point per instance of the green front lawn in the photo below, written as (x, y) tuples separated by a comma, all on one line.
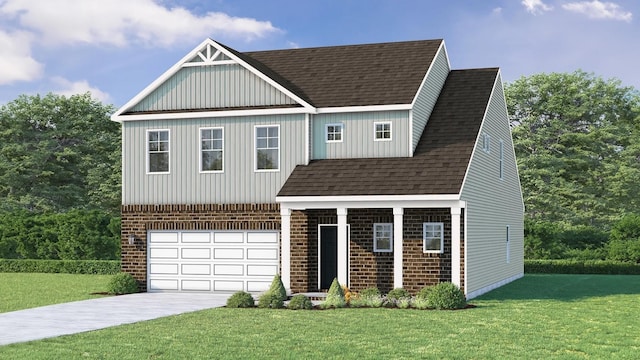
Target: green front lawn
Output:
[(26, 290), (538, 317)]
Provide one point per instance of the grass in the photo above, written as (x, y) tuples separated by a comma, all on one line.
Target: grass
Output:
[(26, 290), (539, 316)]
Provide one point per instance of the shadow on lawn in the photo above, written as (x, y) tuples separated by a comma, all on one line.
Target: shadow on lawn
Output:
[(565, 287)]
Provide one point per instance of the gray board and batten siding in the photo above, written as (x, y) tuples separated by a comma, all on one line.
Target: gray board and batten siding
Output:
[(212, 87), (428, 94), (493, 203), (184, 184), (358, 135)]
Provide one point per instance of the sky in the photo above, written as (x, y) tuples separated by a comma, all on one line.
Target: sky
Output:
[(115, 48)]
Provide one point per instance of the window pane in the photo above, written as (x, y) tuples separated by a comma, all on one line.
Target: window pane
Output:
[(261, 132), (205, 134), (212, 161), (273, 131), (206, 145), (273, 143), (338, 137), (163, 146), (383, 244), (432, 243), (267, 159), (153, 146), (164, 135), (216, 134), (261, 143), (159, 162), (153, 136)]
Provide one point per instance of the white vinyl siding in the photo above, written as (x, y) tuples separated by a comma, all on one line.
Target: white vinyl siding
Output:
[(158, 144), (433, 238), (383, 237), (501, 161), (239, 183), (267, 143), (212, 150), (492, 203)]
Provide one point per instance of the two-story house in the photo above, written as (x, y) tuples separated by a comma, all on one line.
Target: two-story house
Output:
[(374, 164)]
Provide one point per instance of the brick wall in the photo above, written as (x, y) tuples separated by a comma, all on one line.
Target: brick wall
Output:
[(138, 219)]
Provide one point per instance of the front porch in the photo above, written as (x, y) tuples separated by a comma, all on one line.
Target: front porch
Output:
[(307, 229)]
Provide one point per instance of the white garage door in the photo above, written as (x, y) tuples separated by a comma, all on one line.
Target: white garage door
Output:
[(206, 261)]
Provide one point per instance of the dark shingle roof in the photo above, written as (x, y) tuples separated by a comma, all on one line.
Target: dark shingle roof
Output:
[(440, 160), (353, 75)]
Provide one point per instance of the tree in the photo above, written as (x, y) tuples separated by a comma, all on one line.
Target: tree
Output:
[(59, 153), (577, 141)]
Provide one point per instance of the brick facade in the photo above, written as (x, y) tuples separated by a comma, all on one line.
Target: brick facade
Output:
[(138, 219), (367, 268)]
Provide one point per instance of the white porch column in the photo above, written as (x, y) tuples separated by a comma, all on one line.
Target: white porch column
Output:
[(397, 247), (343, 261), (455, 245), (285, 248)]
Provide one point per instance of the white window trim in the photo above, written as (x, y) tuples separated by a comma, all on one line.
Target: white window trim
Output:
[(424, 228), (508, 244), (200, 150), (147, 153), (326, 133), (375, 133), (255, 148), (375, 238), (486, 143), (501, 160)]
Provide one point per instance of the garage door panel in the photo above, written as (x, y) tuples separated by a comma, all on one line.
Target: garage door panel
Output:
[(268, 238), (258, 286), (163, 284), (196, 269), (262, 254), (164, 237), (196, 253), (232, 237), (196, 238), (206, 261), (228, 254), (228, 270), (196, 285), (163, 253), (226, 285), (163, 269), (262, 270)]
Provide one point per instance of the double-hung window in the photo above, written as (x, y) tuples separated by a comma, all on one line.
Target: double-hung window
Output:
[(382, 131), (383, 237), (334, 132), (267, 148), (158, 151), (433, 237), (211, 149)]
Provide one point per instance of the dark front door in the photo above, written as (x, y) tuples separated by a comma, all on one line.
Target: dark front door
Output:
[(328, 255)]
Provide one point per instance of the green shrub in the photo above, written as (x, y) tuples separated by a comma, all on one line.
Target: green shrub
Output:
[(122, 283), (446, 296), (397, 294), (300, 302), (369, 292), (270, 300), (98, 267), (424, 292), (335, 296), (607, 267), (404, 303), (240, 299), (277, 288), (421, 303)]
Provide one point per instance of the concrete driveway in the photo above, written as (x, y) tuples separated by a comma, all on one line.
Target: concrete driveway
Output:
[(79, 316)]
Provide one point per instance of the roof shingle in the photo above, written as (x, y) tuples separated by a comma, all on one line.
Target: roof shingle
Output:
[(440, 160)]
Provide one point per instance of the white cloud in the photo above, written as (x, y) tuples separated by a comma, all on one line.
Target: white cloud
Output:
[(599, 10), (536, 6), (68, 88), (16, 62), (123, 22)]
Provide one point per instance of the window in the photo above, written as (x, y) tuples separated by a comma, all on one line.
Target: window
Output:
[(501, 160), (334, 133), (267, 148), (508, 244), (486, 142), (211, 149), (383, 237), (158, 151), (433, 237), (382, 131)]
